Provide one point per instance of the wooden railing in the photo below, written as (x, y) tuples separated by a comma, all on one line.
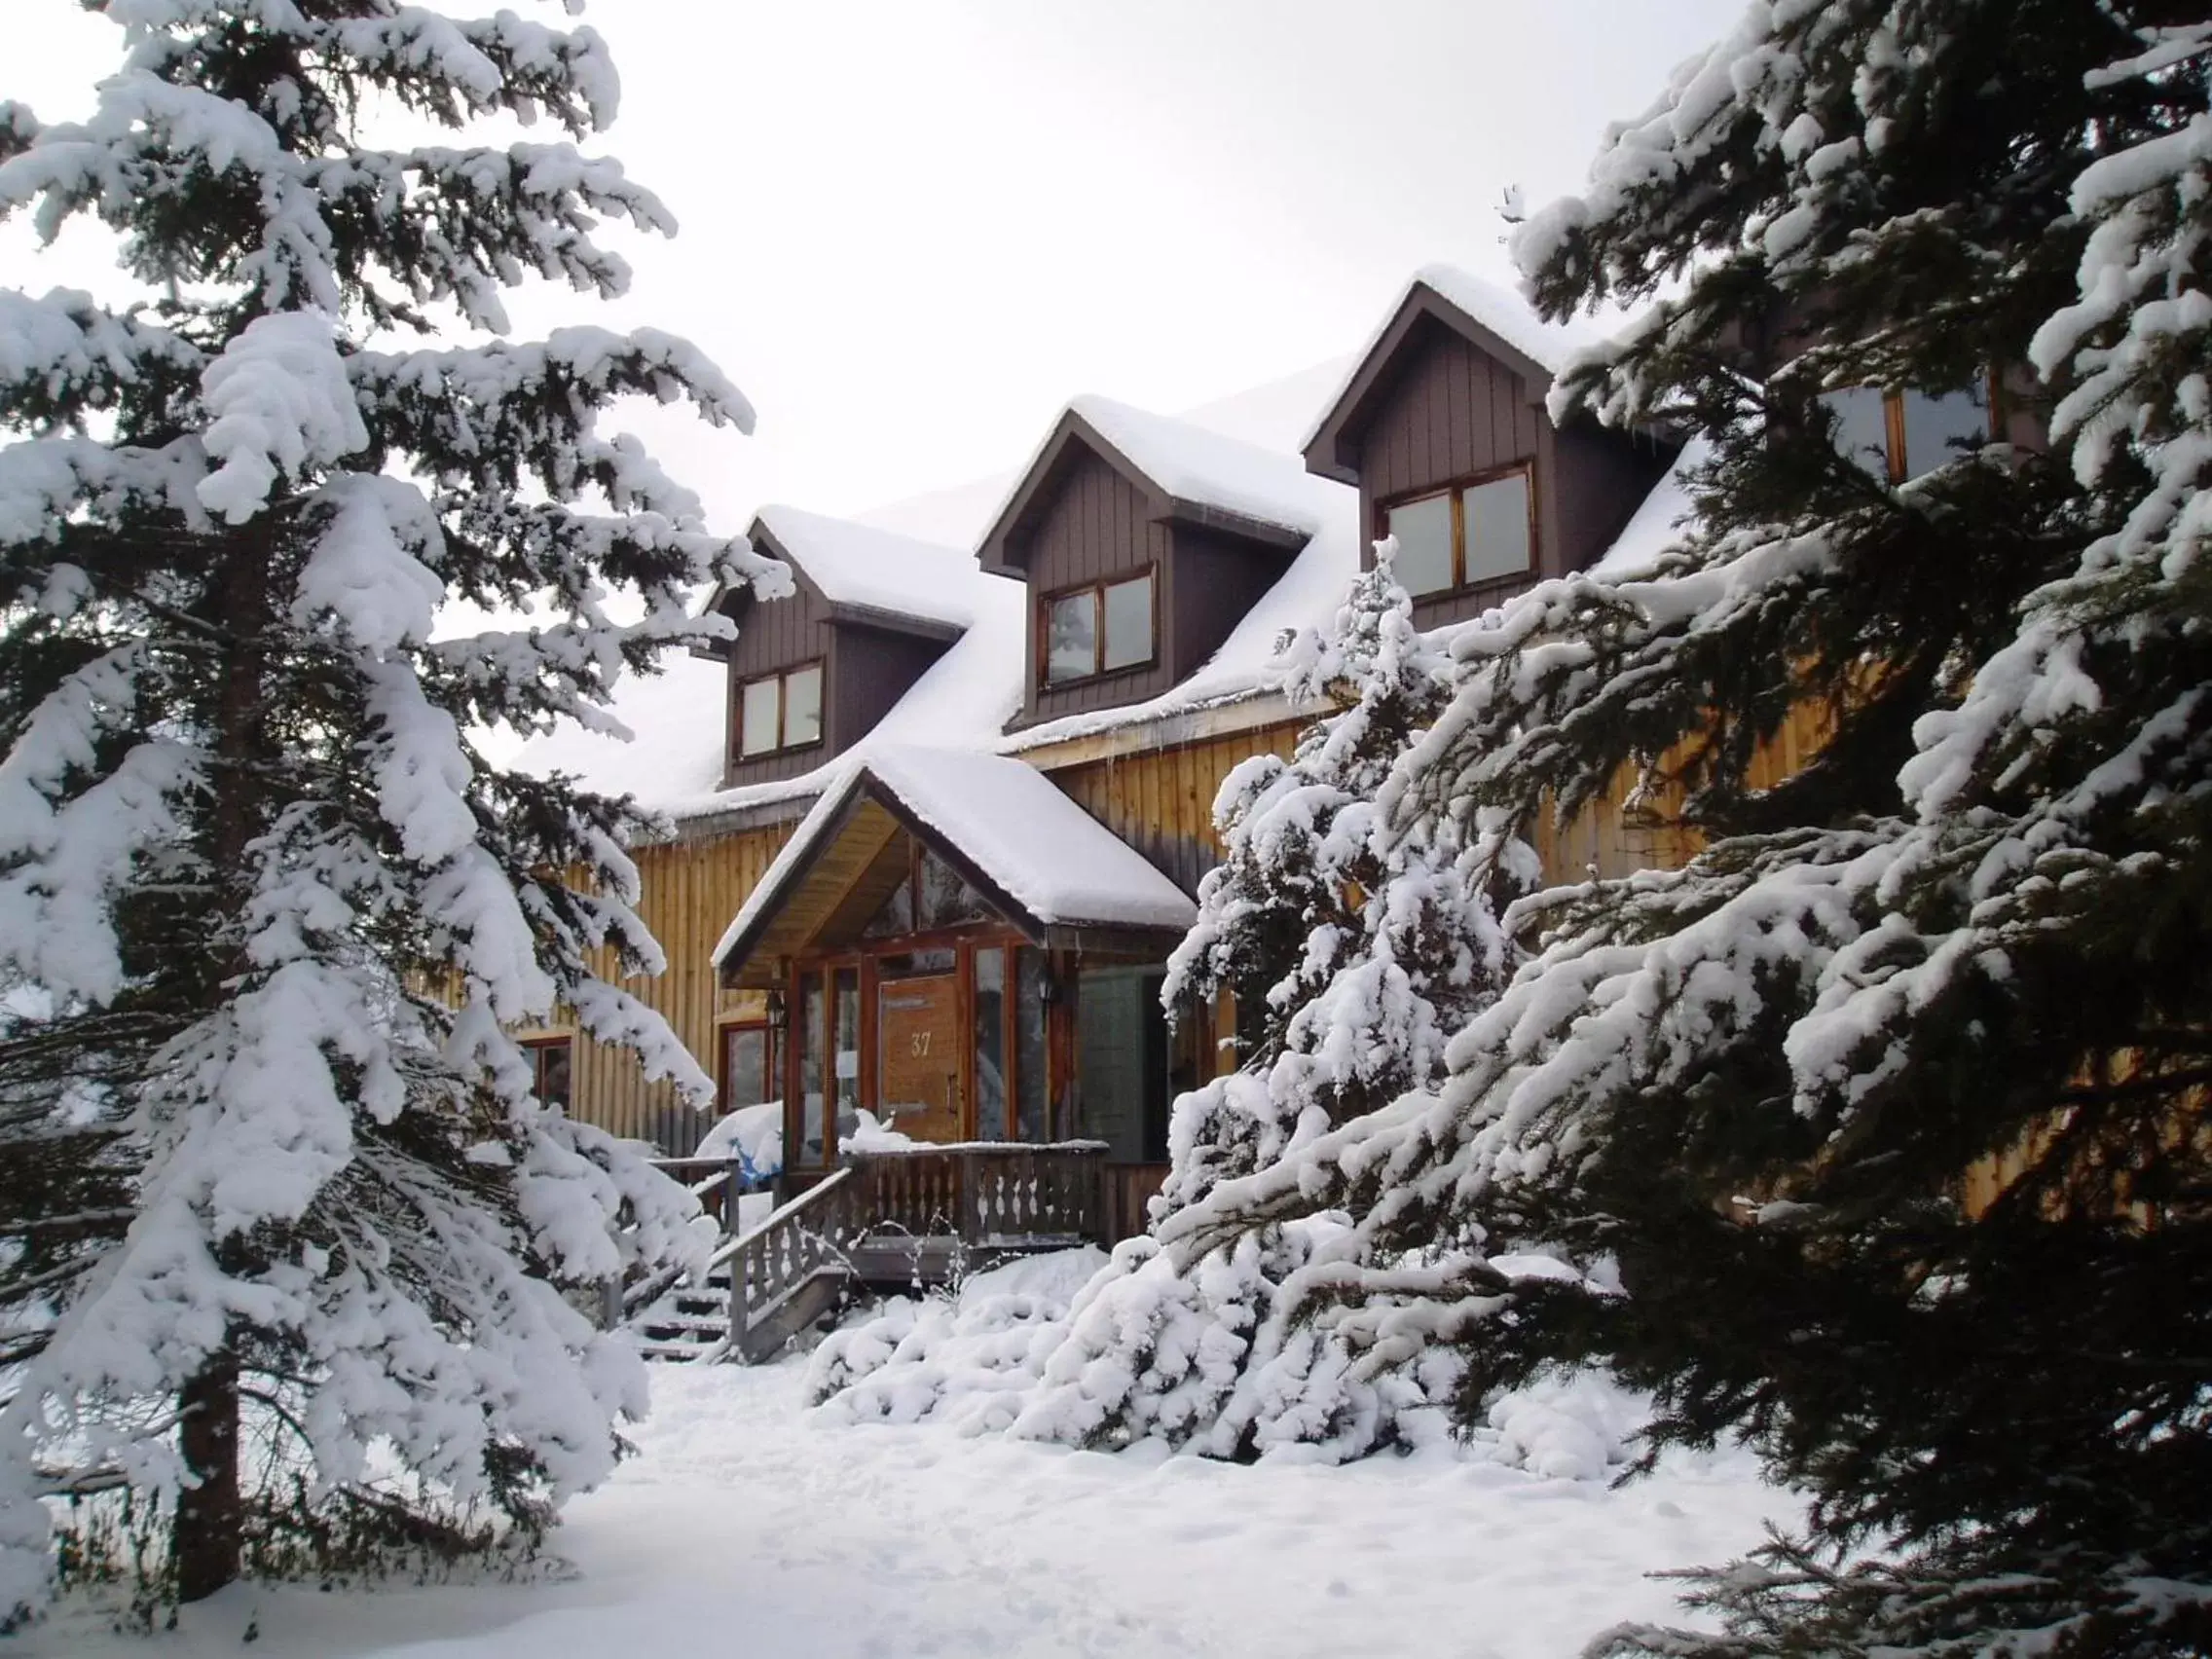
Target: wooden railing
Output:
[(771, 1263), (984, 1195), (1129, 1192), (715, 1182)]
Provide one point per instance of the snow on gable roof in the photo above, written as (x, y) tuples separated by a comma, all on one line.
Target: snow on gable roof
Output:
[(667, 739), (966, 699), (1497, 317), (1306, 595), (1188, 463), (1188, 469), (1030, 848), (857, 566), (1509, 317)]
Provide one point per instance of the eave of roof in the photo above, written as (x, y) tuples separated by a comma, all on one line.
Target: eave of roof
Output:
[(1081, 882)]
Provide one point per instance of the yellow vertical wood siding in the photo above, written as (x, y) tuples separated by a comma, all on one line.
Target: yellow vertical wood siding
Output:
[(691, 890)]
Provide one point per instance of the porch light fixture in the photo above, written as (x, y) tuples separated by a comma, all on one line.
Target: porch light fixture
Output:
[(779, 1018)]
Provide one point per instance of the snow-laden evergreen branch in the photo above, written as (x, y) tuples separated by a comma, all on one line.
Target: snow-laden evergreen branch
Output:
[(242, 827)]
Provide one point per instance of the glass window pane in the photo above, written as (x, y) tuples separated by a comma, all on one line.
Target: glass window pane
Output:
[(897, 916), (1861, 426), (1937, 429), (1071, 637), (1029, 1046), (1496, 520), (552, 1075), (744, 1066), (848, 1049), (1129, 623), (990, 1045), (1111, 1019), (802, 707), (947, 900), (1423, 529), (812, 1005), (756, 719)]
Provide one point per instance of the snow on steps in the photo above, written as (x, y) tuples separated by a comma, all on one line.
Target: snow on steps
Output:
[(913, 1216), (762, 1286)]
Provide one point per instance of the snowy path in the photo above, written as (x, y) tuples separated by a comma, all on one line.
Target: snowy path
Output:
[(745, 1530)]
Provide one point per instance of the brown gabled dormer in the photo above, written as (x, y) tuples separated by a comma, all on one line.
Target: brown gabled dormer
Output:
[(811, 675), (1143, 542), (1442, 427)]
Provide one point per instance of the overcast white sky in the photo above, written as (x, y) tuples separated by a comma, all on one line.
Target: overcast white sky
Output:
[(914, 229)]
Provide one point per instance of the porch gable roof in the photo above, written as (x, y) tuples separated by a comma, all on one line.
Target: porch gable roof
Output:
[(1047, 867)]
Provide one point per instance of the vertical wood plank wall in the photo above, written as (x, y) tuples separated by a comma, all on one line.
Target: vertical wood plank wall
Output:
[(691, 889), (1617, 834), (1091, 530), (1161, 801)]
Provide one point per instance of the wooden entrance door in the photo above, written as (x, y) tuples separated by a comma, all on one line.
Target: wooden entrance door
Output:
[(917, 1024)]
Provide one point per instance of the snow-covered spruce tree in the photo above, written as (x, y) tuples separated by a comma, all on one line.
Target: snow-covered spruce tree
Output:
[(1352, 955), (1350, 958), (1889, 1107), (240, 831)]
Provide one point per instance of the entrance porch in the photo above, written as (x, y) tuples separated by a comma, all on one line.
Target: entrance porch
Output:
[(959, 970)]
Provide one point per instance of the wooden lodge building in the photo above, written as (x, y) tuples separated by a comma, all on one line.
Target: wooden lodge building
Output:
[(939, 816)]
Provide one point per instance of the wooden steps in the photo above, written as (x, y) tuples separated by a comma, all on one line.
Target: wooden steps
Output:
[(888, 1220)]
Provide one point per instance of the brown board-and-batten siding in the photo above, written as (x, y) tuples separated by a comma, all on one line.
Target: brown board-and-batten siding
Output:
[(871, 669), (691, 889), (1213, 582), (773, 635), (1094, 527), (1454, 411)]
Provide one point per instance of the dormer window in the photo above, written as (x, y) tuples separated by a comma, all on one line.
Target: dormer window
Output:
[(779, 711), (1469, 535), (1901, 435), (1098, 628)]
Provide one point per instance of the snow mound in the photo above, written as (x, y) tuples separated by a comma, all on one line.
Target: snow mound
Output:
[(968, 1359), (753, 1134), (996, 1356)]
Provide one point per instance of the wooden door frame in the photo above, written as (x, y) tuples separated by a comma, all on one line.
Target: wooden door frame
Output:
[(964, 942)]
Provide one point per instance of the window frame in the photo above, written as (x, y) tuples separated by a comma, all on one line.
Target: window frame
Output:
[(771, 1077), (780, 677), (538, 1047), (1096, 586), (964, 942), (1894, 456), (1454, 490)]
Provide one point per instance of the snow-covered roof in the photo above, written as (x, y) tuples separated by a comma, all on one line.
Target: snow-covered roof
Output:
[(1032, 847), (968, 697), (1493, 307), (860, 567), (1656, 525), (670, 758), (1188, 463), (1509, 317)]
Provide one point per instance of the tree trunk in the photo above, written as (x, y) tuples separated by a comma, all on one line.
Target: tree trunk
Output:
[(209, 1537)]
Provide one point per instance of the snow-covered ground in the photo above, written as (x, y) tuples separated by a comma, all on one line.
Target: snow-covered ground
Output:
[(749, 1524)]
